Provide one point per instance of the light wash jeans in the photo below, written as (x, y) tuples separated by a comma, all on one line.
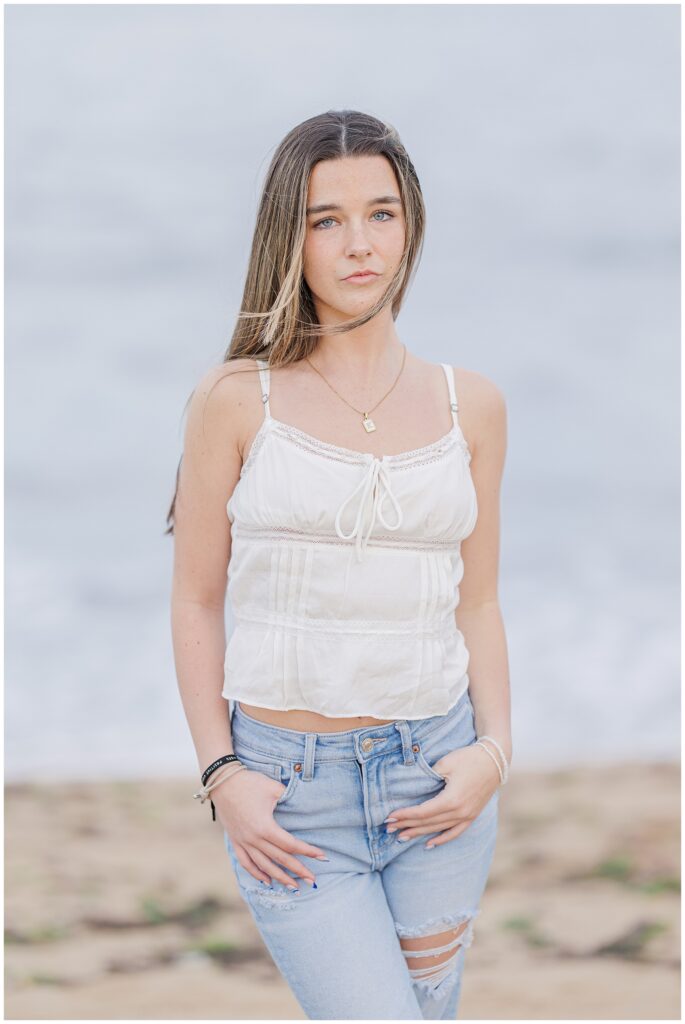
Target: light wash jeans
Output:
[(338, 946)]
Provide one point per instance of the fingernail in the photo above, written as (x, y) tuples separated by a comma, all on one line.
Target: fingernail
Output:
[(393, 828), (385, 820), (293, 888), (429, 846), (320, 856), (403, 839), (312, 883)]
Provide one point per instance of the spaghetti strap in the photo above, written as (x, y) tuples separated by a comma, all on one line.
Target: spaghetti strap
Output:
[(449, 374), (264, 376)]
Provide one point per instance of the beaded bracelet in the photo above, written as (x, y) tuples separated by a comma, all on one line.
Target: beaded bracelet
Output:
[(503, 773)]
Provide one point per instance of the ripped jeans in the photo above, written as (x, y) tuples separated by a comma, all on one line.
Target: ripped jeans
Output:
[(384, 935)]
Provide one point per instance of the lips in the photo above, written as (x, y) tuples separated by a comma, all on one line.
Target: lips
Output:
[(361, 274)]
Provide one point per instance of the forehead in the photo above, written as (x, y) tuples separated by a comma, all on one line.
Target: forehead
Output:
[(351, 179)]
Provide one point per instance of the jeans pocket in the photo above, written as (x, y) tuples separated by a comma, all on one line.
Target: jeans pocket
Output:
[(289, 774), (433, 747), (285, 772), (425, 766)]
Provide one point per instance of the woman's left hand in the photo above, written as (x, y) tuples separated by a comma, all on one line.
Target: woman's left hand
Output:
[(471, 779)]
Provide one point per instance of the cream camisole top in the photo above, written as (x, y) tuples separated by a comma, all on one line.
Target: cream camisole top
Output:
[(344, 574)]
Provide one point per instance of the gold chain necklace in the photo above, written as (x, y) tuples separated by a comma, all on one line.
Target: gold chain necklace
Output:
[(367, 422)]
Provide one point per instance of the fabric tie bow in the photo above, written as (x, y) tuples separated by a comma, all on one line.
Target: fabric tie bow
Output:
[(375, 483)]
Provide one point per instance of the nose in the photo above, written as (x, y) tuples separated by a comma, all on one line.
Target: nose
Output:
[(359, 248), (357, 242)]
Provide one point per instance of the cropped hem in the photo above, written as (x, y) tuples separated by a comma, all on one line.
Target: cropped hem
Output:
[(349, 714)]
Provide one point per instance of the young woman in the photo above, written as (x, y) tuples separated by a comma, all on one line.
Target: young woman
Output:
[(349, 489)]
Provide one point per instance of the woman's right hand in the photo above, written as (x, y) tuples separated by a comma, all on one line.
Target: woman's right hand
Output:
[(245, 804)]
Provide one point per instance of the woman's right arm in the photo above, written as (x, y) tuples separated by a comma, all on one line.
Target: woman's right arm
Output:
[(209, 471), (210, 468)]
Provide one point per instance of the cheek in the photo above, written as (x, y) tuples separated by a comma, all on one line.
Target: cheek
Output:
[(319, 264), (396, 241)]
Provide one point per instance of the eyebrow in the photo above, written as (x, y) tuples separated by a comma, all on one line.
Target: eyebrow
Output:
[(322, 207)]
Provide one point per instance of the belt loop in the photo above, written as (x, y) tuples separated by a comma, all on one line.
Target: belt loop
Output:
[(309, 747), (405, 732)]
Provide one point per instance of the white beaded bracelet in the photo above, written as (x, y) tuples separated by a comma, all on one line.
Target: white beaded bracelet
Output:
[(503, 772), (490, 754)]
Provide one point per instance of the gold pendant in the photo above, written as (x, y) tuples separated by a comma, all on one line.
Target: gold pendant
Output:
[(369, 425)]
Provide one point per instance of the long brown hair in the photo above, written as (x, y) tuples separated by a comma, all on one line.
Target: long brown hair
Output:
[(277, 320)]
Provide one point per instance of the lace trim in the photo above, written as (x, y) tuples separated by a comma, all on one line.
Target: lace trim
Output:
[(426, 453), (382, 539), (390, 629)]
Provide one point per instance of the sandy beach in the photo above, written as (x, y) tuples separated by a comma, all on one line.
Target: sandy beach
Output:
[(121, 903)]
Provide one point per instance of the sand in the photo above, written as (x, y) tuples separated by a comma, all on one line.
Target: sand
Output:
[(120, 903)]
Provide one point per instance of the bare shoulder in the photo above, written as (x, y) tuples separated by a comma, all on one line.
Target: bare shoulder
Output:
[(230, 383), (478, 391), (225, 397), (482, 409)]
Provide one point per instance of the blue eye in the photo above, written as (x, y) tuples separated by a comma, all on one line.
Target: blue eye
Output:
[(386, 212)]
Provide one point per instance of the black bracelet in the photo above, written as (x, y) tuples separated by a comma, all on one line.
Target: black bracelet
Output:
[(226, 759)]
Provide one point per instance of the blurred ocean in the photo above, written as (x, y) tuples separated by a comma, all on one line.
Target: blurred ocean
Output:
[(547, 143)]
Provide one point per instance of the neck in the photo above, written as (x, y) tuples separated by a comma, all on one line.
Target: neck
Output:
[(364, 354)]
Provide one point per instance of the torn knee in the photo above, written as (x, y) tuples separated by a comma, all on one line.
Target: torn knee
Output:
[(432, 950), (273, 897)]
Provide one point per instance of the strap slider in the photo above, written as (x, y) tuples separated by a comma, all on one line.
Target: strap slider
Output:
[(265, 399), (453, 406)]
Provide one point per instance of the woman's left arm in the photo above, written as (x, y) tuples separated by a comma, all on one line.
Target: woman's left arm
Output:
[(478, 614), (472, 777)]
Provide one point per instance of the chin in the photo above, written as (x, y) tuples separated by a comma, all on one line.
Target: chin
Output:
[(339, 310)]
